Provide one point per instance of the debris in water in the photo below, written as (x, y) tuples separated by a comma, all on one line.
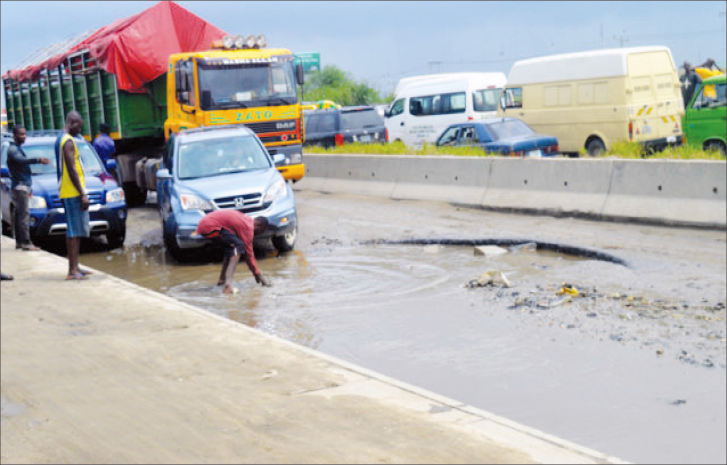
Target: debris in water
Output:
[(490, 277)]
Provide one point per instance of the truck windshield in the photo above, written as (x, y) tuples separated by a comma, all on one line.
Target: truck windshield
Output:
[(212, 157), (246, 85)]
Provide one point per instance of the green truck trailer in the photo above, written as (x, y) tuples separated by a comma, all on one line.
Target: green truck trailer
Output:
[(136, 119)]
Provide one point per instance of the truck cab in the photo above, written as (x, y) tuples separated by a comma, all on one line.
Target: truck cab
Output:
[(704, 118), (240, 81)]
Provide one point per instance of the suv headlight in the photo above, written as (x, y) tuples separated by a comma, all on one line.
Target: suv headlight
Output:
[(36, 201), (277, 190), (115, 195), (194, 202)]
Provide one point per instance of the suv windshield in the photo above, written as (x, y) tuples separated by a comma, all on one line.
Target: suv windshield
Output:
[(360, 119), (90, 161), (203, 158)]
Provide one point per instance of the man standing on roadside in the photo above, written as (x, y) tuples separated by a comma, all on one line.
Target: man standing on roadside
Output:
[(73, 194), (22, 187), (235, 231), (104, 144)]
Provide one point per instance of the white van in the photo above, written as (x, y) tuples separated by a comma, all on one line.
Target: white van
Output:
[(589, 100), (424, 106)]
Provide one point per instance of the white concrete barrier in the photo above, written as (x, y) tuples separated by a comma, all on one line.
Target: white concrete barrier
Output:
[(671, 192)]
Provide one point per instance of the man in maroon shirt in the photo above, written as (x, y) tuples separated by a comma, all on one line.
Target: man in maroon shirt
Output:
[(234, 230)]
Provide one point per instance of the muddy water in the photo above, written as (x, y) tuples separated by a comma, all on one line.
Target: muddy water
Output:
[(633, 365)]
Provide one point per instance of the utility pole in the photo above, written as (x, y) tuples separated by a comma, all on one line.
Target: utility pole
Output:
[(621, 39)]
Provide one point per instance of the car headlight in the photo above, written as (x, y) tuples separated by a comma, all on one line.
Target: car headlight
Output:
[(115, 195), (194, 202), (36, 201), (276, 191)]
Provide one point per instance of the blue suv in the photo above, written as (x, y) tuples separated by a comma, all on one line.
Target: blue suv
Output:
[(211, 168), (47, 215)]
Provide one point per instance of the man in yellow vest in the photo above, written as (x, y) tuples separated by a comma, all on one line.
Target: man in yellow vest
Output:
[(73, 194)]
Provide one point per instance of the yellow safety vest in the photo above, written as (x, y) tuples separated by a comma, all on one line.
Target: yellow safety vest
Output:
[(67, 188)]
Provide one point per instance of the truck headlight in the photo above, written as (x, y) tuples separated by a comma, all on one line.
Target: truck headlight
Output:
[(36, 201), (276, 191), (115, 195), (194, 202), (295, 158)]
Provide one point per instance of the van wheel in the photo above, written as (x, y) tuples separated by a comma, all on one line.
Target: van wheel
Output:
[(286, 242), (717, 146), (595, 147)]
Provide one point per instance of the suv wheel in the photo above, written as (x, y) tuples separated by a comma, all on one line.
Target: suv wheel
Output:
[(116, 239), (170, 242), (286, 242)]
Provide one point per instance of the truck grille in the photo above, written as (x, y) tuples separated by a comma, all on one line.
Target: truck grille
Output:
[(287, 125)]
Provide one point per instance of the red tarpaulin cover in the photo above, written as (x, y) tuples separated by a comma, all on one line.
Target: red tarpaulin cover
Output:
[(137, 49)]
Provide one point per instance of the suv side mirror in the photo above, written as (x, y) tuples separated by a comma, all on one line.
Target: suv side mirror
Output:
[(110, 164), (163, 173)]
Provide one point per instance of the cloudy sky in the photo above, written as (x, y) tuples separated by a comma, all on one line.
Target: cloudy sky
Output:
[(380, 42)]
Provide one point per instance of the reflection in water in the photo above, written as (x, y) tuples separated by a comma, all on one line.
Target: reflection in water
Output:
[(312, 292)]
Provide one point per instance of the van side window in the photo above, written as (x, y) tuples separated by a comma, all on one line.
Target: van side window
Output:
[(311, 123), (485, 99), (397, 108), (513, 97), (439, 104), (327, 123)]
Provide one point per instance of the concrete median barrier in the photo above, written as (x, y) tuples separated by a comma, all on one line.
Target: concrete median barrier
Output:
[(554, 186), (669, 192)]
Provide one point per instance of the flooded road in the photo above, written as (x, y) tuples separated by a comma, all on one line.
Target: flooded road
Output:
[(627, 359)]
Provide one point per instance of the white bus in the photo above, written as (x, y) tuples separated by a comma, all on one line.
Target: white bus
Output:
[(424, 106)]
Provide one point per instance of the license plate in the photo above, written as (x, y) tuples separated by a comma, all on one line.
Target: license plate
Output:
[(535, 153), (365, 138), (95, 207), (671, 139)]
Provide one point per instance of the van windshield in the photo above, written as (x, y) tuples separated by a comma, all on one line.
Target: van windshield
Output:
[(199, 159)]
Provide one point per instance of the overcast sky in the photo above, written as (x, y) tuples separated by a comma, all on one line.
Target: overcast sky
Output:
[(380, 42)]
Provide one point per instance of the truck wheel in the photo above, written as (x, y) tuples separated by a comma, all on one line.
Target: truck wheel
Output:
[(135, 196), (717, 146), (595, 147), (115, 240), (286, 242)]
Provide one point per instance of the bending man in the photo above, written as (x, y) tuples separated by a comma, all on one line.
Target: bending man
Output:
[(235, 231)]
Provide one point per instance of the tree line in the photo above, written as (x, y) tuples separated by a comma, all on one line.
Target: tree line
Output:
[(332, 83)]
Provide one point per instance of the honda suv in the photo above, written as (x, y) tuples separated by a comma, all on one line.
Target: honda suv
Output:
[(217, 167), (338, 126), (47, 215)]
